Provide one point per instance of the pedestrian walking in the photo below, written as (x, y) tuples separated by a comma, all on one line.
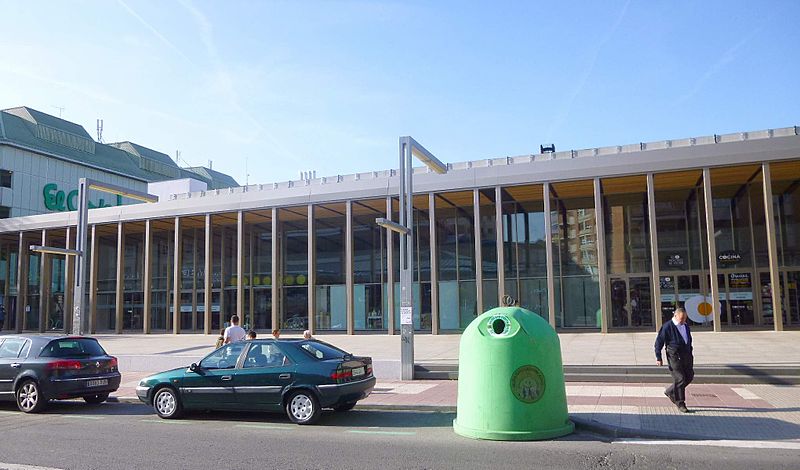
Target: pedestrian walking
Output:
[(234, 332), (251, 334), (220, 339), (307, 334), (276, 333), (676, 337)]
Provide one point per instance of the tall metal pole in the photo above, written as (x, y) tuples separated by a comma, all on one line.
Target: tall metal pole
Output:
[(79, 319), (406, 265)]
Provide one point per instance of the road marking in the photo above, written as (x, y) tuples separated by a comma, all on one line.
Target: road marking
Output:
[(746, 394), (14, 466), (263, 426), (791, 445), (163, 421), (388, 433), (82, 417)]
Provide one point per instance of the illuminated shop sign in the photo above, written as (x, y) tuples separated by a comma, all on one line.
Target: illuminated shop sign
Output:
[(58, 200)]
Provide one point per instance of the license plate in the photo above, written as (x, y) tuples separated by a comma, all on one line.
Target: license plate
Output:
[(96, 383), (358, 371)]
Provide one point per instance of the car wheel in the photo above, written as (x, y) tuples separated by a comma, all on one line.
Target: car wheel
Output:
[(345, 407), (96, 399), (166, 403), (303, 407), (29, 397)]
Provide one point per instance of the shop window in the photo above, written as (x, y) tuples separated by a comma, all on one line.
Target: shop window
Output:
[(5, 178)]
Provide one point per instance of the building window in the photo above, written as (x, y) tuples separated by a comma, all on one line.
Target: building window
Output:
[(5, 178), (5, 212)]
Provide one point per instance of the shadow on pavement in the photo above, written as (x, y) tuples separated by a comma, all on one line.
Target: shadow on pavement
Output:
[(703, 424), (79, 407)]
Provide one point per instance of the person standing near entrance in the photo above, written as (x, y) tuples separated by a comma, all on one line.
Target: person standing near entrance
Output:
[(676, 337), (234, 332)]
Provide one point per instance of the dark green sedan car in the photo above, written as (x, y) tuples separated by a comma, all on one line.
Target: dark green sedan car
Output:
[(298, 376)]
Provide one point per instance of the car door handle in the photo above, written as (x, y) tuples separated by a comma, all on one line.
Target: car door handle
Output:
[(16, 365), (226, 378), (285, 376)]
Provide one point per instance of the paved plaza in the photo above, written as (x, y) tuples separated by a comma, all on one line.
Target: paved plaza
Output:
[(729, 411)]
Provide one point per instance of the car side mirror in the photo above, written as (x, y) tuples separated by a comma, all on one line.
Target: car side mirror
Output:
[(194, 367)]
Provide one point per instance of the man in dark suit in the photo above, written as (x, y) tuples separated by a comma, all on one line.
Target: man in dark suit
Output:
[(676, 337)]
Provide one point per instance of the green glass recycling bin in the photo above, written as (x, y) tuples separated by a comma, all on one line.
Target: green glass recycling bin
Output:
[(510, 379)]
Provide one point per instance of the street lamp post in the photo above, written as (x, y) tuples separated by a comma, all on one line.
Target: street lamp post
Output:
[(408, 148), (80, 322)]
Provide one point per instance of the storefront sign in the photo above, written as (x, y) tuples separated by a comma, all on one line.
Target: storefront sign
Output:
[(57, 200), (675, 261), (729, 257), (739, 280)]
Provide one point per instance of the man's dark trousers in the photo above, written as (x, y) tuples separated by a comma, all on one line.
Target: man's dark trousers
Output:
[(681, 366)]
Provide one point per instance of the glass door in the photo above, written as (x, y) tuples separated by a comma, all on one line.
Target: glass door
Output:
[(631, 301), (739, 297)]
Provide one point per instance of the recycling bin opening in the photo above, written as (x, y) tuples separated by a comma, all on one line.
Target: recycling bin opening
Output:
[(499, 326)]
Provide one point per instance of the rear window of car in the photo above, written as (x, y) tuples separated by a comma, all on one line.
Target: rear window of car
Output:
[(73, 347), (322, 351)]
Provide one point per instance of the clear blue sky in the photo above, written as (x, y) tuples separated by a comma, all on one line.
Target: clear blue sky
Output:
[(330, 86)]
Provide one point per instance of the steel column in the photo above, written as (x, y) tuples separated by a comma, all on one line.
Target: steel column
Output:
[(390, 270), (712, 246), (120, 281), (654, 258), (772, 246), (501, 262), (275, 271), (69, 267), (208, 276), (176, 277), (602, 268), (476, 225), (44, 285), (312, 272), (548, 243), (406, 264), (90, 324), (148, 276), (348, 254), (434, 264), (240, 266)]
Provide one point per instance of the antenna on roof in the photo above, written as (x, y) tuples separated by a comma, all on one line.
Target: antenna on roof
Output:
[(210, 164), (100, 130), (246, 173), (60, 110)]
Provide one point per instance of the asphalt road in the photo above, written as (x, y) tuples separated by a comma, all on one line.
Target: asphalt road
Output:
[(122, 436)]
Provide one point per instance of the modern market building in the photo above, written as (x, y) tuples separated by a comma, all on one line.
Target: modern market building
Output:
[(603, 239)]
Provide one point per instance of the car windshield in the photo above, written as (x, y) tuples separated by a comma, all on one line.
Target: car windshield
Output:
[(322, 351), (73, 347)]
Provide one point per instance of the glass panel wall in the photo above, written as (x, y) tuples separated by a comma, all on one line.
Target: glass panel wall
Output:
[(54, 304), (627, 251), (133, 278), (369, 265), (192, 273), (786, 206), (682, 244), (487, 225), (575, 254), (106, 277), (330, 225), (293, 235), (422, 264), (455, 251), (161, 260), (258, 265), (524, 247), (9, 244)]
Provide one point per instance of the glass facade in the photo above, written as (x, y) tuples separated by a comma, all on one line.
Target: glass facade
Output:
[(343, 275)]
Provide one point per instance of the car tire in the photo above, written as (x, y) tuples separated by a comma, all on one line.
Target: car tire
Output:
[(30, 398), (96, 399), (302, 407), (167, 403), (345, 407)]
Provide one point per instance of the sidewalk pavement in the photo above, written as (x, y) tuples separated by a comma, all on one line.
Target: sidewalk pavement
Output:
[(729, 412)]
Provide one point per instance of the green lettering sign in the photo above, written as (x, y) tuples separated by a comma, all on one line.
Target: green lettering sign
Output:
[(57, 200)]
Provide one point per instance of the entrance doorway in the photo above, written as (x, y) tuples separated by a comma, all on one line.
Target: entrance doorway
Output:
[(631, 301)]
